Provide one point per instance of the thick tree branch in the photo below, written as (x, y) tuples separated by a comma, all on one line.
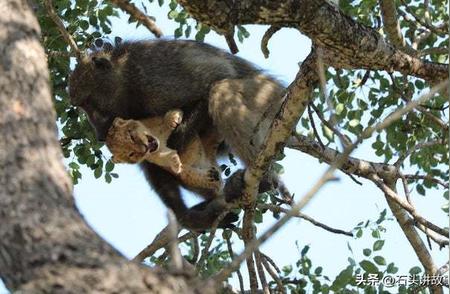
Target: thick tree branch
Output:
[(296, 102), (355, 166), (46, 246), (346, 43)]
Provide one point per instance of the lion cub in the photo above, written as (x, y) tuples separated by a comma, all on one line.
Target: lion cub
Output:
[(133, 141)]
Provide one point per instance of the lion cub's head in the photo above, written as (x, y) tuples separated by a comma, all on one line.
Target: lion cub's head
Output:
[(130, 141)]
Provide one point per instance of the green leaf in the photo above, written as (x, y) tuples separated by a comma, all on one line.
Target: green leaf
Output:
[(304, 251), (379, 260), (108, 178), (378, 245), (420, 189), (367, 252), (178, 33), (109, 166), (278, 168), (369, 267), (172, 14), (98, 172), (84, 25), (359, 233), (258, 216), (342, 279), (318, 271), (415, 270), (391, 268)]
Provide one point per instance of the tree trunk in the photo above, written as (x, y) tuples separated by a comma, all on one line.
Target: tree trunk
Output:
[(45, 246)]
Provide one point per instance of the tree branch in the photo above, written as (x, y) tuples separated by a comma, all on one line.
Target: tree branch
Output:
[(299, 214), (392, 26), (366, 133), (62, 29), (132, 10), (406, 224), (346, 43)]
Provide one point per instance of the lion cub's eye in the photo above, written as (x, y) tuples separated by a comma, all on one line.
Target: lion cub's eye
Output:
[(131, 154)]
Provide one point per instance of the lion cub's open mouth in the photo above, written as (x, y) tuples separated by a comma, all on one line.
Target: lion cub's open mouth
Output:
[(152, 144)]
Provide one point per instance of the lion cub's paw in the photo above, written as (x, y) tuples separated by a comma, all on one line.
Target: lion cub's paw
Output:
[(175, 163), (174, 118), (214, 175)]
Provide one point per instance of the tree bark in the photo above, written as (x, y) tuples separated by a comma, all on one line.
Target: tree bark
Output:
[(45, 246), (346, 43)]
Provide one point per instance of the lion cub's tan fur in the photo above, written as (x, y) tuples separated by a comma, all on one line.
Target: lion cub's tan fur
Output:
[(132, 141)]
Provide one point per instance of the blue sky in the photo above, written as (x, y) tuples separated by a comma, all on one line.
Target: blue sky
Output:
[(129, 215)]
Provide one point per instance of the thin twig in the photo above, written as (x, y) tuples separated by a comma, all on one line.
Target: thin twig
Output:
[(175, 254), (274, 276), (344, 140), (195, 249), (238, 272), (299, 214), (427, 178), (313, 125), (261, 274), (139, 16), (161, 240), (266, 37), (212, 234)]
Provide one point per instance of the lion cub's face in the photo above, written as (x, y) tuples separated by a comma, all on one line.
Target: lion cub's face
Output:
[(130, 141)]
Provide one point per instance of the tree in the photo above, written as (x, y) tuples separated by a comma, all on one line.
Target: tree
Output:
[(396, 52)]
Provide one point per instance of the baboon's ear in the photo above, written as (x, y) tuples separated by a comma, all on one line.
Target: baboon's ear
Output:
[(117, 41), (102, 62)]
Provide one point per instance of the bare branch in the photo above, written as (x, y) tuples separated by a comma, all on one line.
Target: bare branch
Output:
[(406, 224), (428, 178), (313, 125), (132, 10), (442, 242), (161, 240), (261, 274), (265, 39), (238, 272), (353, 165), (175, 254), (408, 207), (274, 276), (299, 214)]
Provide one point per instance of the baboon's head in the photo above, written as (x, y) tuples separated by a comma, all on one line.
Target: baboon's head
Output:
[(94, 86)]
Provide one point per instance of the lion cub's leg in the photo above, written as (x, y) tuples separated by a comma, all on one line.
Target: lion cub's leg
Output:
[(203, 179)]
